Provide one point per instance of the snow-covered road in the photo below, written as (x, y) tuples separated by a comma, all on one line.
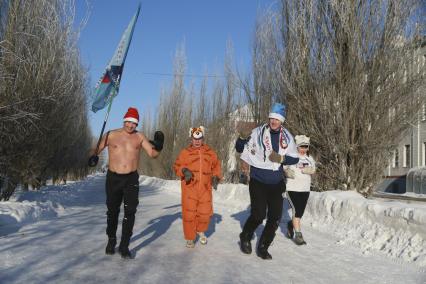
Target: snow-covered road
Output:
[(69, 248)]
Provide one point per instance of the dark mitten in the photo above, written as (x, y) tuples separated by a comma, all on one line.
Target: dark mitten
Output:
[(158, 141), (215, 182), (240, 143), (187, 174), (93, 160)]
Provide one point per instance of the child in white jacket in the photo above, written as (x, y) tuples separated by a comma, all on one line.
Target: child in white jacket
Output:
[(298, 187)]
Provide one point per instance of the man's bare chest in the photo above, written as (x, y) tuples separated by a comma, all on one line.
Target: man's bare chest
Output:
[(132, 143)]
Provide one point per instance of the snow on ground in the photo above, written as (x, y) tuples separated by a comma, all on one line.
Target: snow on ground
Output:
[(57, 235)]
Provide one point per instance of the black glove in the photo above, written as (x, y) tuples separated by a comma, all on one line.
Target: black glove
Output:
[(158, 141), (243, 178), (215, 182), (93, 160), (240, 143), (188, 174)]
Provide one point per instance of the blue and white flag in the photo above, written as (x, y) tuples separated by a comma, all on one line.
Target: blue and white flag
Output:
[(107, 87)]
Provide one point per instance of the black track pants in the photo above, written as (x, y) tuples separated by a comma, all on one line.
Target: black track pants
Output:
[(121, 187), (266, 201)]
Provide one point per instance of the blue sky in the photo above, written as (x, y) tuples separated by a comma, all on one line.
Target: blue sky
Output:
[(204, 26)]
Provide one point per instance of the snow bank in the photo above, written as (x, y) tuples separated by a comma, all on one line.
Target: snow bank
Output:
[(395, 228), (12, 212), (48, 202)]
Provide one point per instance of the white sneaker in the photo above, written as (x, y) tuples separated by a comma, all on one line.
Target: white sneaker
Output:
[(203, 238), (190, 244)]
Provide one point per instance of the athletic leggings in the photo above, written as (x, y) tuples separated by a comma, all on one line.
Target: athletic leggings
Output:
[(298, 201)]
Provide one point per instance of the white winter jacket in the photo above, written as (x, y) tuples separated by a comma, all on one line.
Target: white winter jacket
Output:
[(301, 181), (259, 147)]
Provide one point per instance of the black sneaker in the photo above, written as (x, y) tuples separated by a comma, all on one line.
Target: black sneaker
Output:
[(125, 252), (262, 252), (245, 244), (110, 248), (290, 229)]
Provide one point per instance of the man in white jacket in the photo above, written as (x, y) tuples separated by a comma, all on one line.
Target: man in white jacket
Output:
[(269, 147)]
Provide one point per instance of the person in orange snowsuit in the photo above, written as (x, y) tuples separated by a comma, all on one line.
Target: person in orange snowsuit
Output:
[(199, 169)]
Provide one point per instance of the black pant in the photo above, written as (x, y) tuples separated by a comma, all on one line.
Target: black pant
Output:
[(121, 187), (265, 200)]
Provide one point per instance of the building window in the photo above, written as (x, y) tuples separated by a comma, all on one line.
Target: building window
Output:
[(407, 156), (395, 162)]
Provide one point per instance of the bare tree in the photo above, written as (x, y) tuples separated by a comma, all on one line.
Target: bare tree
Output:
[(221, 128), (201, 105), (3, 16), (172, 118), (345, 70), (183, 107), (44, 131), (260, 87)]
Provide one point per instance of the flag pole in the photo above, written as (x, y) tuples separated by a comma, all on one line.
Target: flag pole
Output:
[(103, 127)]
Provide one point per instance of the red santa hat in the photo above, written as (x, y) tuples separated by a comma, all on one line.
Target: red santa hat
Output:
[(132, 115)]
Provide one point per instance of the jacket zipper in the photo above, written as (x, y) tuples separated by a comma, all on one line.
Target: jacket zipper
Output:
[(199, 184)]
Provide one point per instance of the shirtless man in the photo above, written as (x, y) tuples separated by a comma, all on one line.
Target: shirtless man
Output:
[(122, 181)]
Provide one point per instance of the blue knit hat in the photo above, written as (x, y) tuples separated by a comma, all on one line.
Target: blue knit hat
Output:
[(278, 111)]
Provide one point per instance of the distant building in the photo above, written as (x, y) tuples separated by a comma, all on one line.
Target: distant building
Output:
[(411, 151)]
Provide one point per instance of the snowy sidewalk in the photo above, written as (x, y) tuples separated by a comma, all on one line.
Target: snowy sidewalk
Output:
[(69, 248)]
